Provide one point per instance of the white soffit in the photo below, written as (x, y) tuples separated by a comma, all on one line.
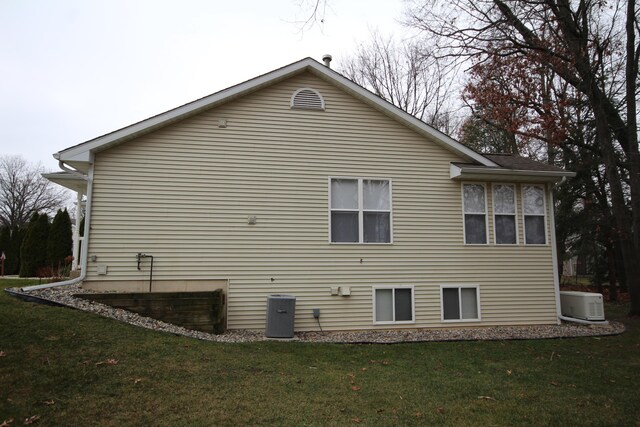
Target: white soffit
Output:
[(67, 180)]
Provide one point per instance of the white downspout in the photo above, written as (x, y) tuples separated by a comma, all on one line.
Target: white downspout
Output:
[(76, 231), (85, 242), (554, 250)]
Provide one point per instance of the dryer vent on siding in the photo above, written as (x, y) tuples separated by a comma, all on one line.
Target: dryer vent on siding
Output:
[(307, 99)]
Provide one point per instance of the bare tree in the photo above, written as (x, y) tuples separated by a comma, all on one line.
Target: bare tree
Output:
[(313, 14), (407, 76), (23, 191), (592, 46)]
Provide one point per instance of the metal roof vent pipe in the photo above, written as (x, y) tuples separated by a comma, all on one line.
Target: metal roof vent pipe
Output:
[(327, 60)]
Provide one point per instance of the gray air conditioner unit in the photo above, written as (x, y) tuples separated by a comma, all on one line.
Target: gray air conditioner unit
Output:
[(281, 312)]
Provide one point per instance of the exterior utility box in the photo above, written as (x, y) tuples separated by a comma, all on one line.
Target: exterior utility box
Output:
[(281, 312), (582, 305)]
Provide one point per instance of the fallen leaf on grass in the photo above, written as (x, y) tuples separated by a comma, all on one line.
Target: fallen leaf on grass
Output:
[(439, 410), (109, 362), (2, 354), (137, 380), (417, 414), (356, 420), (363, 369), (49, 402), (486, 398), (554, 383), (509, 372), (6, 423), (32, 419), (355, 388)]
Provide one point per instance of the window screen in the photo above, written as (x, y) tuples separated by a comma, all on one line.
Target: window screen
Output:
[(475, 225), (394, 305)]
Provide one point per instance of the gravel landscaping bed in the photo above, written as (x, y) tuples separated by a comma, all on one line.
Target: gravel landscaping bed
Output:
[(64, 296)]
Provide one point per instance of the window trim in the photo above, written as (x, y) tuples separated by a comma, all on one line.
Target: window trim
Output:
[(394, 322), (486, 214), (361, 210), (443, 287), (544, 215), (515, 213)]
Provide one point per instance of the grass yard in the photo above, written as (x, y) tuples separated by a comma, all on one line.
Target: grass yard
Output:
[(68, 367)]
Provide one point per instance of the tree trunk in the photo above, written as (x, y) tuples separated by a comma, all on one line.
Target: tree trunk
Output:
[(613, 290), (633, 157), (622, 278), (622, 226)]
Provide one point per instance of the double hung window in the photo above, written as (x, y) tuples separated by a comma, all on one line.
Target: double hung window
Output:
[(504, 214), (534, 215), (360, 210), (475, 214)]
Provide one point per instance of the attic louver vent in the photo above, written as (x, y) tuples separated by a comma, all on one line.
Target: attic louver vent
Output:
[(307, 99)]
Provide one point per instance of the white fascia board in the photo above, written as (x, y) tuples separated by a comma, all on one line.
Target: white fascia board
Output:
[(404, 117), (474, 173), (81, 152)]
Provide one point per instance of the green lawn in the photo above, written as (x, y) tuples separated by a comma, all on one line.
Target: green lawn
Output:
[(68, 367)]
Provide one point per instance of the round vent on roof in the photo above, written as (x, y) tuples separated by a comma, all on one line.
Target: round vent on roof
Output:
[(307, 99)]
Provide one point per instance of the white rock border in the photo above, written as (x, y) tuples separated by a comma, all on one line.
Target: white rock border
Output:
[(64, 296)]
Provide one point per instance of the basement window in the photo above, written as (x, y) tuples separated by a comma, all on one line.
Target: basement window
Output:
[(460, 303), (307, 99), (393, 305)]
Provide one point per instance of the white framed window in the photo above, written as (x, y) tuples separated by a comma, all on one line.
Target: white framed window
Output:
[(474, 203), (505, 227), (393, 304), (534, 210), (360, 210), (460, 303)]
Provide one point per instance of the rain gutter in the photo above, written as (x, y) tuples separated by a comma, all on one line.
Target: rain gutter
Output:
[(87, 221)]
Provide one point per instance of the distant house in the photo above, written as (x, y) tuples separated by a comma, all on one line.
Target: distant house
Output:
[(301, 182)]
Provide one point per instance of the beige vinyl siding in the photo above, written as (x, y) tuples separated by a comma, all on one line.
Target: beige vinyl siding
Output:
[(184, 194)]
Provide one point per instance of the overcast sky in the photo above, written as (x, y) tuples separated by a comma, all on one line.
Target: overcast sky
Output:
[(74, 70)]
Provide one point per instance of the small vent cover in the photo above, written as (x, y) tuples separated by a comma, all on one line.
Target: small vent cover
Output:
[(307, 99)]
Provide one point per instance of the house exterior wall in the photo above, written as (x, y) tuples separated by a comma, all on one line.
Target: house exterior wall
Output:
[(184, 194)]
